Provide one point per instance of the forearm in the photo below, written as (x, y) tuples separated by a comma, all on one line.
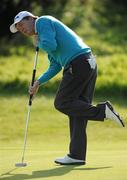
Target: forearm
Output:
[(51, 72)]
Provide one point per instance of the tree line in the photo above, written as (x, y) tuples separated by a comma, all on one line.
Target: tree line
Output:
[(9, 8)]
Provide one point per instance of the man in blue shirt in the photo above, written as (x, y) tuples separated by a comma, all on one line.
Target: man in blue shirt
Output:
[(75, 93)]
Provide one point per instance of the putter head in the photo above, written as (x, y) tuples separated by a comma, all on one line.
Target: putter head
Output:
[(21, 164)]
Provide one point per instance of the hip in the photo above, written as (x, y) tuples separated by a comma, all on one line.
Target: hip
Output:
[(83, 63)]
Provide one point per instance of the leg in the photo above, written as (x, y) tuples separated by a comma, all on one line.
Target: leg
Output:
[(74, 98), (68, 98), (78, 136)]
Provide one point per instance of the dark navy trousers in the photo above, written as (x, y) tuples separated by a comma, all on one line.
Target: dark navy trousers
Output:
[(74, 98)]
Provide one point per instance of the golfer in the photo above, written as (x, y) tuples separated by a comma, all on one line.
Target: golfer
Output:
[(75, 93)]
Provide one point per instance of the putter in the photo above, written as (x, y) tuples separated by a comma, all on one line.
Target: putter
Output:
[(22, 163)]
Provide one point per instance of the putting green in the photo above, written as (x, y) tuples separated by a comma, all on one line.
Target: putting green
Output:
[(106, 163), (48, 138)]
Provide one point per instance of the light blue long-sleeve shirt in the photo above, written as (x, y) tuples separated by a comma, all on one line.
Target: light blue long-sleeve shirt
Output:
[(60, 42)]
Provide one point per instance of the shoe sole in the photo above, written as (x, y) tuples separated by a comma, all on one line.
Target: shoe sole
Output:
[(75, 163), (112, 109)]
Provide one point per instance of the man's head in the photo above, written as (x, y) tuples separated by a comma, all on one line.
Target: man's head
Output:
[(24, 22)]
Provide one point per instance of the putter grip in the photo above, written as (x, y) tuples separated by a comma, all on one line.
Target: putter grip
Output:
[(37, 49), (32, 82)]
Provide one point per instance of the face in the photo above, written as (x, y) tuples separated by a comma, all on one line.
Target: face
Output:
[(26, 26)]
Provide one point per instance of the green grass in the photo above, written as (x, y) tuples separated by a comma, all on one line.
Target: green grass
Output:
[(102, 164), (15, 72), (48, 138), (48, 135), (44, 116)]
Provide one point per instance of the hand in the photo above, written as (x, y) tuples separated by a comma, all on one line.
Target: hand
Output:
[(33, 89)]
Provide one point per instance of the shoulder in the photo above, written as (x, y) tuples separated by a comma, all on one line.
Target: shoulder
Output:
[(45, 18), (45, 21)]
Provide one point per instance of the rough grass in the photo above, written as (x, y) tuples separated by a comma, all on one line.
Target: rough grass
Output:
[(15, 73), (46, 121)]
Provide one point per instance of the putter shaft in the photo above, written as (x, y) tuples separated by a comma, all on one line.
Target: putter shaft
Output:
[(29, 109), (26, 132)]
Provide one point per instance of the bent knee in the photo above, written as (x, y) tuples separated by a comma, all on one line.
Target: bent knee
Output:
[(57, 104)]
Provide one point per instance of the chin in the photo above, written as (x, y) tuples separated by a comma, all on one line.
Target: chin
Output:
[(29, 33)]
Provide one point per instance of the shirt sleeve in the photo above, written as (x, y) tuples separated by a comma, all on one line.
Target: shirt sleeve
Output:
[(53, 69), (47, 34)]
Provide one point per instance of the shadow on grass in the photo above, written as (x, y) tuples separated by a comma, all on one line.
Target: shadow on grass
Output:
[(59, 171), (18, 87), (113, 92)]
